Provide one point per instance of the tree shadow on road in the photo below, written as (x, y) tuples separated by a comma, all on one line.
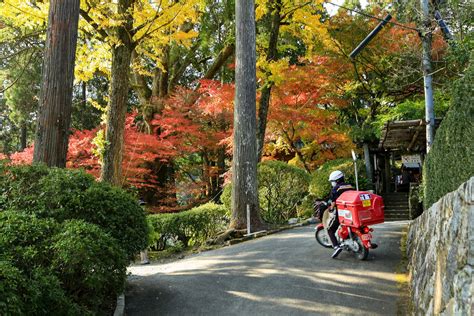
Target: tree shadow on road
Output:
[(267, 277)]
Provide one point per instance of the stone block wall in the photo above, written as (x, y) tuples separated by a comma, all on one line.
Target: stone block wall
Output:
[(440, 252)]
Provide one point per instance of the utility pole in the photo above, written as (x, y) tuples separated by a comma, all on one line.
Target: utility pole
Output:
[(427, 70)]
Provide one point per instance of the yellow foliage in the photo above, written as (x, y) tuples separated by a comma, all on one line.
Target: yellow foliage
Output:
[(23, 14), (92, 57), (157, 24), (301, 20), (261, 10)]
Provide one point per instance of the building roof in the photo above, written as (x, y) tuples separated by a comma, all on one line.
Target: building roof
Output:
[(404, 136)]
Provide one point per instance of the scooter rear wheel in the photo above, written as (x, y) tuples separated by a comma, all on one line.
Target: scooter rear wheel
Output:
[(363, 252), (322, 237)]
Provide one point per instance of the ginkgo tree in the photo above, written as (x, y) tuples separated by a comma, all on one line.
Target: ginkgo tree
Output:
[(131, 26)]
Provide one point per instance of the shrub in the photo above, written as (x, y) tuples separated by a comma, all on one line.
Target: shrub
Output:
[(118, 213), (66, 240), (38, 292), (89, 263), (11, 281), (281, 188), (226, 197), (321, 187), (72, 194), (25, 239), (48, 192), (450, 161), (28, 285), (190, 228), (306, 209)]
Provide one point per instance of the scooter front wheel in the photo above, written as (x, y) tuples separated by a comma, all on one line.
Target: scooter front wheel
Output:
[(363, 252), (322, 237)]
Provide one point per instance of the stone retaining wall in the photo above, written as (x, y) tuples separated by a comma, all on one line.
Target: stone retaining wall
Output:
[(441, 255)]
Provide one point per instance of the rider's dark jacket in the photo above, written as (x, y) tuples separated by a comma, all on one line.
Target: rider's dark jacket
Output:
[(338, 190)]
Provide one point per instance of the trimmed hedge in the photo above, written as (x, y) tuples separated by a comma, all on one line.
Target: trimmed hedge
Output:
[(28, 284), (282, 189), (65, 241), (451, 159), (73, 194), (321, 187), (188, 228)]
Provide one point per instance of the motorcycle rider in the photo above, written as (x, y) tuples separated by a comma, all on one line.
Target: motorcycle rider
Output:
[(339, 186)]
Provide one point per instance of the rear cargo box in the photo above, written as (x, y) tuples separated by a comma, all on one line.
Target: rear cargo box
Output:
[(360, 208)]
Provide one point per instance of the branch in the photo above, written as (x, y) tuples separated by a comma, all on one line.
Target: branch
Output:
[(224, 54), (20, 75), (94, 24), (149, 22), (294, 9), (148, 32)]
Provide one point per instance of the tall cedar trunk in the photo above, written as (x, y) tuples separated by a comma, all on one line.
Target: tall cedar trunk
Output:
[(23, 136), (244, 164), (121, 56), (267, 89), (54, 117)]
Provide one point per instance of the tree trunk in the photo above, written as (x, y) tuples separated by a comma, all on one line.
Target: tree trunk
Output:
[(23, 136), (206, 178), (244, 164), (220, 172), (84, 93), (267, 89), (54, 117), (121, 57), (163, 88)]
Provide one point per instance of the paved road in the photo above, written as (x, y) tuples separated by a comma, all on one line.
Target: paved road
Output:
[(283, 274)]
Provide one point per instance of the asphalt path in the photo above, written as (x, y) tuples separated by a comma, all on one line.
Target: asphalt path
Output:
[(282, 274)]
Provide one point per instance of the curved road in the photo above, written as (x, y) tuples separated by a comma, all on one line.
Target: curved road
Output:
[(282, 274)]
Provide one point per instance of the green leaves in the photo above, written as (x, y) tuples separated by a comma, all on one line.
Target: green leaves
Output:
[(65, 240), (450, 162), (281, 189), (189, 228)]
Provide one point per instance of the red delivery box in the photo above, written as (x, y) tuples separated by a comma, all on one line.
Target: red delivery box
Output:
[(360, 208)]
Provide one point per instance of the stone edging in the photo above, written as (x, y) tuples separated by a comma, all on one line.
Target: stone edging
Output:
[(120, 308)]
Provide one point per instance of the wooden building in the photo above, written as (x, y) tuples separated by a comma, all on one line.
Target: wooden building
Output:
[(397, 163)]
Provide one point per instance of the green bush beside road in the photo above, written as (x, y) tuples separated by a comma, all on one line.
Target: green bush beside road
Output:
[(188, 228), (65, 241), (282, 189), (321, 187)]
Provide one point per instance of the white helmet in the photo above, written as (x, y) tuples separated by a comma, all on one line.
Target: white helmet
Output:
[(336, 175)]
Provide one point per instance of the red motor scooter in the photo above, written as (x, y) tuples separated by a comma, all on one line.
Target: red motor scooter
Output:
[(356, 211)]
